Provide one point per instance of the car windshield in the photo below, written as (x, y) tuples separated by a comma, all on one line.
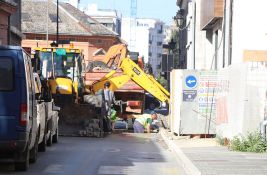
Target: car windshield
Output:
[(46, 64), (64, 65)]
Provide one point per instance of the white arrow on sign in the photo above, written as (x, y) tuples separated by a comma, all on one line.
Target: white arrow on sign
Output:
[(191, 81)]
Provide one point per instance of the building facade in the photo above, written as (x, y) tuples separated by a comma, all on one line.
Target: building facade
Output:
[(221, 36), (10, 24), (148, 40), (16, 35), (107, 17), (192, 53)]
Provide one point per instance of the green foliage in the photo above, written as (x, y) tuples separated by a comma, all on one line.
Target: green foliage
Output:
[(252, 142), (175, 51), (162, 81), (148, 68), (220, 140)]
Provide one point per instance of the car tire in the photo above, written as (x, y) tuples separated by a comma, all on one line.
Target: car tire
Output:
[(34, 151), (49, 141), (42, 145), (55, 137), (25, 164)]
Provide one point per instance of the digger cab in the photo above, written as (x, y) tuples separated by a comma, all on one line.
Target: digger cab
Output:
[(62, 67)]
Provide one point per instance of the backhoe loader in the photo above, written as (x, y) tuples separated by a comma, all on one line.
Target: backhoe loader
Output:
[(61, 69)]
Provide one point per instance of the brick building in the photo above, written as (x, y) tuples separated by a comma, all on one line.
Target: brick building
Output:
[(7, 7), (74, 25), (15, 25)]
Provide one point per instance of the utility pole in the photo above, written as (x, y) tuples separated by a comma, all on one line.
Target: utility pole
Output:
[(57, 22), (55, 43), (47, 14)]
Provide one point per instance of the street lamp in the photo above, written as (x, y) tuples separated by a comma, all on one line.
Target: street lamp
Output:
[(179, 18), (55, 43)]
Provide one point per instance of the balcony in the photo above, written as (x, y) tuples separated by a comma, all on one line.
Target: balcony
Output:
[(211, 12)]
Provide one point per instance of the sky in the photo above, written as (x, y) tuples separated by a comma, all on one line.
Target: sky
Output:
[(159, 9)]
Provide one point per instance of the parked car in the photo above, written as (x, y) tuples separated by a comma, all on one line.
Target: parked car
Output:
[(52, 123), (18, 109), (41, 114), (47, 116)]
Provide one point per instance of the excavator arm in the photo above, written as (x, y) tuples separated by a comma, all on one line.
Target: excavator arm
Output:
[(115, 54), (132, 71), (146, 81)]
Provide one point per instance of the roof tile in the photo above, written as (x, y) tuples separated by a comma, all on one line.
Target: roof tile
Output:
[(72, 20)]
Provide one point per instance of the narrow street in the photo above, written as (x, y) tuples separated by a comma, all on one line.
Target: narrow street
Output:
[(116, 154)]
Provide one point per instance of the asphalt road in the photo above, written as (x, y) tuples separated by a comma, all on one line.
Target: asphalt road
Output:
[(131, 154)]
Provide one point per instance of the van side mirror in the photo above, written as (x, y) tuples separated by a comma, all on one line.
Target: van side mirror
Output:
[(163, 105), (55, 108)]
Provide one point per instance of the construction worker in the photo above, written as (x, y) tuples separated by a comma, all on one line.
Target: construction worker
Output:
[(144, 123), (108, 102)]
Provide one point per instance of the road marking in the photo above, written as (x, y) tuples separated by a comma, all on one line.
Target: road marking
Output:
[(54, 169), (141, 168), (113, 150), (115, 170)]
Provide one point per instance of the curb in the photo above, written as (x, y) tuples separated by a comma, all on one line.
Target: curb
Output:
[(186, 164)]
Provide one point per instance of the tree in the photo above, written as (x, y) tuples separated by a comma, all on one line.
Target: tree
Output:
[(162, 81), (175, 50), (148, 68)]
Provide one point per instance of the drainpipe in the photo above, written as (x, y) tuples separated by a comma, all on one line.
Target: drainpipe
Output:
[(8, 31), (263, 129), (47, 15), (194, 34)]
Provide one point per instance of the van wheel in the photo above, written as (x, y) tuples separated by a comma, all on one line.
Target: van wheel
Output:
[(34, 151), (55, 137), (42, 145), (24, 165), (49, 141)]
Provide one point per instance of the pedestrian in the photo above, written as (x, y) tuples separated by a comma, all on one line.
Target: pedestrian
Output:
[(108, 101), (144, 123)]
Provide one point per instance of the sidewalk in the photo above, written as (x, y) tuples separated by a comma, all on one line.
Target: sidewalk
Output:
[(206, 157)]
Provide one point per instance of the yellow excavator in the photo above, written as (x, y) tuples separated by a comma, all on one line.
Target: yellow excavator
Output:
[(117, 58), (62, 67), (61, 71)]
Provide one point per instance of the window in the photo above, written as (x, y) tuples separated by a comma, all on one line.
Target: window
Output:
[(99, 41), (53, 18), (26, 17), (216, 50), (28, 73), (72, 39), (150, 39), (159, 43), (160, 31), (39, 38), (6, 74)]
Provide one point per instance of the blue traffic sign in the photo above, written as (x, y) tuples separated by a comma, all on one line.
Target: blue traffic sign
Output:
[(191, 81)]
